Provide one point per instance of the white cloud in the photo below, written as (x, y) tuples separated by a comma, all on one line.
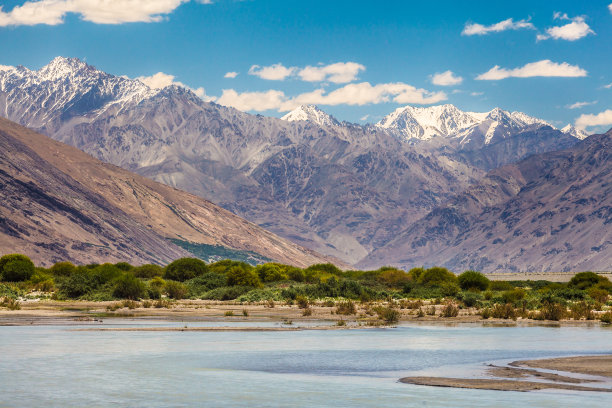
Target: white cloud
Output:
[(610, 8), (53, 12), (252, 101), (477, 93), (338, 73), (509, 24), (231, 74), (276, 72), (544, 68), (446, 78), (365, 117), (601, 119), (362, 93), (573, 31), (578, 105), (608, 86), (162, 80)]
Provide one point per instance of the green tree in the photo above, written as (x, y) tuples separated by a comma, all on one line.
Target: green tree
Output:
[(175, 290), (473, 280), (129, 287), (585, 280), (63, 269), (237, 276), (436, 276), (16, 268), (184, 269), (148, 271)]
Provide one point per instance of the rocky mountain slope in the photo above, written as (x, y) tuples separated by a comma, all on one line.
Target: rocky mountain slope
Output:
[(338, 188), (550, 212), (58, 203)]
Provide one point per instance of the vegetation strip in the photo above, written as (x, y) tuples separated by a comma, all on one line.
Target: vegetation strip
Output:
[(378, 297)]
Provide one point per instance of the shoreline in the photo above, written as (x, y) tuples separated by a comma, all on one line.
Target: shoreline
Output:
[(562, 373), (51, 312)]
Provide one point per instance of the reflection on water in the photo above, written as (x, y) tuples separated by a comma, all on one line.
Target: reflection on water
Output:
[(53, 366)]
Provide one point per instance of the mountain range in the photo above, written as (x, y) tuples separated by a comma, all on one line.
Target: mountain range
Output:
[(60, 204), (339, 188)]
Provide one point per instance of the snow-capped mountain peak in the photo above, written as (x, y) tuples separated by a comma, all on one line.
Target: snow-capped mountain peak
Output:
[(415, 123), (577, 133), (311, 113)]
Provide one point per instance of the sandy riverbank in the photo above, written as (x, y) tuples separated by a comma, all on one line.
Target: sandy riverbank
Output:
[(527, 375), (75, 312)]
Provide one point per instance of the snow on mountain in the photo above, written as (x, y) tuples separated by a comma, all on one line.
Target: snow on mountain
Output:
[(450, 122), (66, 87), (311, 113), (577, 133)]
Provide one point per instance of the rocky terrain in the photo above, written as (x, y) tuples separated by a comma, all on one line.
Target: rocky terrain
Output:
[(550, 212), (58, 203), (336, 187)]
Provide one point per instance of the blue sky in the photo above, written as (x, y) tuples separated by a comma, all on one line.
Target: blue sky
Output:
[(358, 60)]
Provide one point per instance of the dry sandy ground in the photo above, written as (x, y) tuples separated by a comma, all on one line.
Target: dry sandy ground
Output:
[(73, 312), (517, 378)]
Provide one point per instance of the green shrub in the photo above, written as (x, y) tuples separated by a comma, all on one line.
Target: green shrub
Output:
[(450, 310), (449, 288), (500, 286), (436, 276), (16, 268), (599, 295), (184, 269), (585, 280), (346, 308), (238, 276), (271, 272), (473, 280), (175, 290), (78, 284), (227, 292), (513, 295), (203, 283), (503, 312), (553, 311), (415, 274), (296, 274), (387, 314), (302, 301), (325, 268), (62, 269), (393, 277), (124, 266), (470, 299), (148, 271), (129, 287), (606, 317), (106, 273)]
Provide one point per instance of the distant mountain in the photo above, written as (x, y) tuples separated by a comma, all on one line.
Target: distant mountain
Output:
[(311, 113), (335, 187), (550, 212), (58, 203)]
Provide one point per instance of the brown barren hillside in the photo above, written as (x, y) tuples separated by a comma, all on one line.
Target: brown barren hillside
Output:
[(59, 203)]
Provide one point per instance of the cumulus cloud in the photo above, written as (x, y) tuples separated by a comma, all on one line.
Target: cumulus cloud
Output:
[(53, 12), (601, 119), (608, 86), (362, 93), (543, 68), (578, 105), (252, 101), (446, 78), (230, 74), (573, 31), (276, 72), (162, 80), (509, 24), (338, 73), (610, 8)]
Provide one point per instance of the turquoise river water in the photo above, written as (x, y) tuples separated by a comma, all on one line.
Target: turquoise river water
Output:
[(54, 366)]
